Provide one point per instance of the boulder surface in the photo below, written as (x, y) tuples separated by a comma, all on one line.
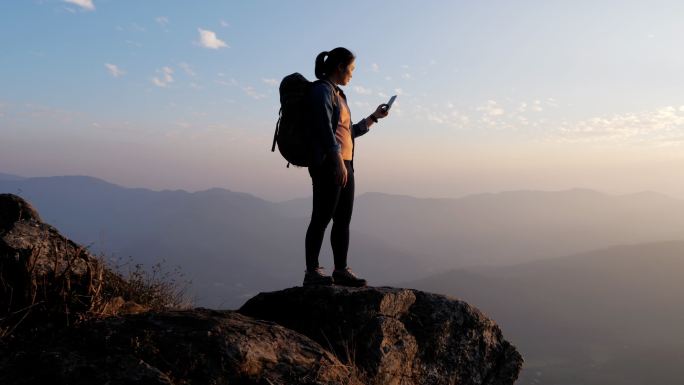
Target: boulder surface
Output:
[(189, 347), (396, 336)]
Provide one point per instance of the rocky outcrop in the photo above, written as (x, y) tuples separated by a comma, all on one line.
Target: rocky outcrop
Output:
[(319, 335), (396, 336), (192, 347), (41, 272)]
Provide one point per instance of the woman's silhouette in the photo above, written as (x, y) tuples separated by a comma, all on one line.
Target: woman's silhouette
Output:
[(332, 166)]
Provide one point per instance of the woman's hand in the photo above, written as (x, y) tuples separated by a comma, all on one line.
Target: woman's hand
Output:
[(340, 171), (382, 111)]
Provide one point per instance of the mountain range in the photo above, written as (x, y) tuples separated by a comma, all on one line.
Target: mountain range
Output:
[(234, 244)]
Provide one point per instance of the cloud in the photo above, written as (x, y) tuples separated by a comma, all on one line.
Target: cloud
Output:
[(162, 20), (375, 67), (114, 70), (491, 108), (187, 69), (166, 77), (362, 90), (270, 82), (364, 105), (252, 93), (451, 117), (228, 83), (85, 4), (664, 125), (209, 40), (536, 106), (224, 24)]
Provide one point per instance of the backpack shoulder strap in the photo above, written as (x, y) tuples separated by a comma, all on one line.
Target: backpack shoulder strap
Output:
[(333, 97)]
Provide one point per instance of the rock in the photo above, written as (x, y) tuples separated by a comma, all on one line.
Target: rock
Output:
[(43, 274), (13, 209), (188, 347), (396, 336)]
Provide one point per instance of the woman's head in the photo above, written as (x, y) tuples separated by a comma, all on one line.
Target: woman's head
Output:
[(336, 65)]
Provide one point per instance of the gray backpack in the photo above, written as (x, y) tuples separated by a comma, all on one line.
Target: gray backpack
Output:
[(293, 130)]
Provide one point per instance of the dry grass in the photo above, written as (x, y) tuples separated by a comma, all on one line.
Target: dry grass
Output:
[(156, 288), (64, 284)]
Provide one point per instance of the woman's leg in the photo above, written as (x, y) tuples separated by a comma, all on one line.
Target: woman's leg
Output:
[(339, 235), (326, 194)]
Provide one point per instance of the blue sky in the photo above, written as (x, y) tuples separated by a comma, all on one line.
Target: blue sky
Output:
[(493, 95)]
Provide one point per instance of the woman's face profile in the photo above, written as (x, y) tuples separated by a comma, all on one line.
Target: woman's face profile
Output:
[(345, 74)]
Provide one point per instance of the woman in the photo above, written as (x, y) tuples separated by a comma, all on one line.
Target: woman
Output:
[(332, 166)]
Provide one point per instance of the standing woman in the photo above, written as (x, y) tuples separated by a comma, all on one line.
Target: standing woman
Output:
[(332, 166)]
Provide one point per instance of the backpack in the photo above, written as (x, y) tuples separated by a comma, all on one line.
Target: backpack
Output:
[(293, 131)]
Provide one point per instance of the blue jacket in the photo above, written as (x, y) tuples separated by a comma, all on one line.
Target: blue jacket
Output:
[(325, 115)]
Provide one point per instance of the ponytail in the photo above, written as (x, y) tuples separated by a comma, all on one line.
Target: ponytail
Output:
[(335, 58), (320, 65)]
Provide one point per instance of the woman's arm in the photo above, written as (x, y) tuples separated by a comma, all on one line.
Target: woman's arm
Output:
[(364, 125)]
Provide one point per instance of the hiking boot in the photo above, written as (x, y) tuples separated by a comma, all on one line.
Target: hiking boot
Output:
[(316, 277), (346, 277)]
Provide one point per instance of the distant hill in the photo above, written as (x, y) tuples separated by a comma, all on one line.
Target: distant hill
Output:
[(518, 226), (617, 310), (10, 177), (234, 244), (513, 226)]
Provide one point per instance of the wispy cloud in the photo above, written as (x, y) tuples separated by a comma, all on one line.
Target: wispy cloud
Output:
[(224, 24), (664, 125), (270, 82), (208, 39), (84, 4), (363, 90), (228, 83), (162, 20), (491, 108), (166, 77), (114, 70), (375, 67), (252, 93), (187, 69), (448, 117)]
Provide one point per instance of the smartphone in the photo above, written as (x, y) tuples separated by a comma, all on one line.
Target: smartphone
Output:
[(391, 101)]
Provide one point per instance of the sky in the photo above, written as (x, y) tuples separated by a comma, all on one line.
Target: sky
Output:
[(492, 95)]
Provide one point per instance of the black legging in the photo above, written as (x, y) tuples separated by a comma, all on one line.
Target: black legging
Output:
[(330, 201)]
